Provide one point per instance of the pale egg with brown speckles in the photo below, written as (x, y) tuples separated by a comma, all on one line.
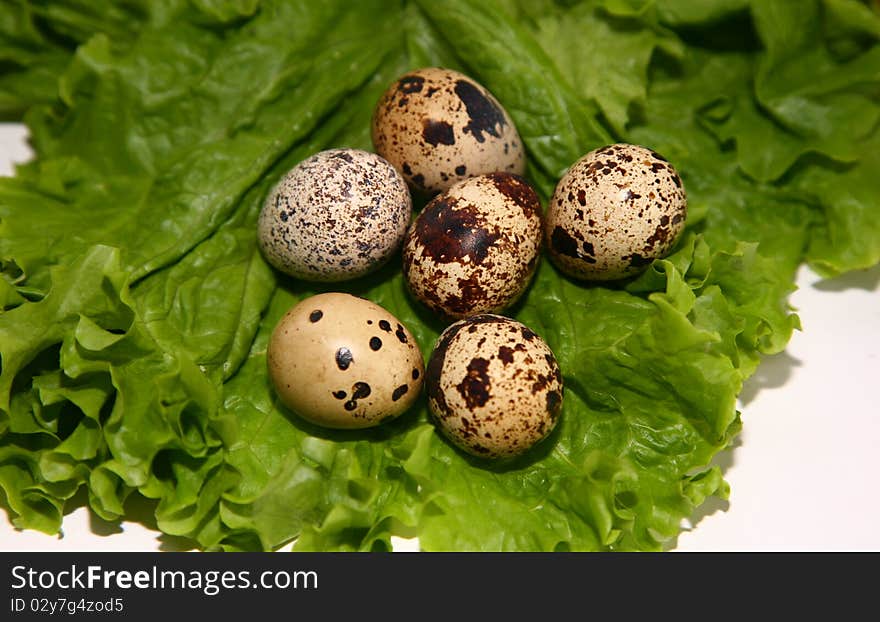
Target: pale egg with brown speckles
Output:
[(475, 247), (341, 361), (615, 211), (494, 386), (337, 215), (438, 126)]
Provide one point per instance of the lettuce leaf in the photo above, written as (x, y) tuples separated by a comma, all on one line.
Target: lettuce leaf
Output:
[(136, 307)]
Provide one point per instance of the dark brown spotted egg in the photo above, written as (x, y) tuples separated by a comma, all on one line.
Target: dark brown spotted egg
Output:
[(494, 386), (337, 215), (614, 211), (340, 361), (438, 126), (475, 247)]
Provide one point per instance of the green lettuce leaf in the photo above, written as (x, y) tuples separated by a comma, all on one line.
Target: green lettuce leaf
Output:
[(37, 41)]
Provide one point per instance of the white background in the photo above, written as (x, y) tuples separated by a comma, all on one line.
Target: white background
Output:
[(803, 473)]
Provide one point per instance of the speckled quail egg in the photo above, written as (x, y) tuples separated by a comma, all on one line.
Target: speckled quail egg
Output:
[(438, 126), (494, 387), (337, 215), (614, 211), (475, 247), (341, 361)]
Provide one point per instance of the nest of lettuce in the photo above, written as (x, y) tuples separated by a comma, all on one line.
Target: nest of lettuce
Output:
[(135, 307)]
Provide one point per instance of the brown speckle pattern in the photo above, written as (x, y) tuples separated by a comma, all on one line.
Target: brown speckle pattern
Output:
[(339, 372), (337, 215), (438, 126), (614, 212), (474, 248), (493, 392)]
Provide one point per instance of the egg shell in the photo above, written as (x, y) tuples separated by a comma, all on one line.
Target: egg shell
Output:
[(341, 361), (613, 212), (475, 247), (337, 215), (494, 386), (438, 126)]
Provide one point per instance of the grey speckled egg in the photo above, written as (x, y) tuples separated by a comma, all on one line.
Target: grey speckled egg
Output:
[(341, 361), (613, 212), (475, 247), (494, 387), (438, 126), (337, 215)]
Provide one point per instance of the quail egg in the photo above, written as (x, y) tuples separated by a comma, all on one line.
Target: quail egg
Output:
[(337, 215), (475, 247), (340, 361), (494, 387), (614, 211), (438, 126)]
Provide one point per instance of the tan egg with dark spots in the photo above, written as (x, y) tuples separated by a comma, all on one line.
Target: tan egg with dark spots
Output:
[(340, 361), (614, 212), (337, 215), (494, 387), (438, 126), (474, 248)]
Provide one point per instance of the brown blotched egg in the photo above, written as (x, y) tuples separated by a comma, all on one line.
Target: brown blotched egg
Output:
[(337, 215), (613, 212), (494, 387), (475, 247), (438, 126), (341, 361)]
